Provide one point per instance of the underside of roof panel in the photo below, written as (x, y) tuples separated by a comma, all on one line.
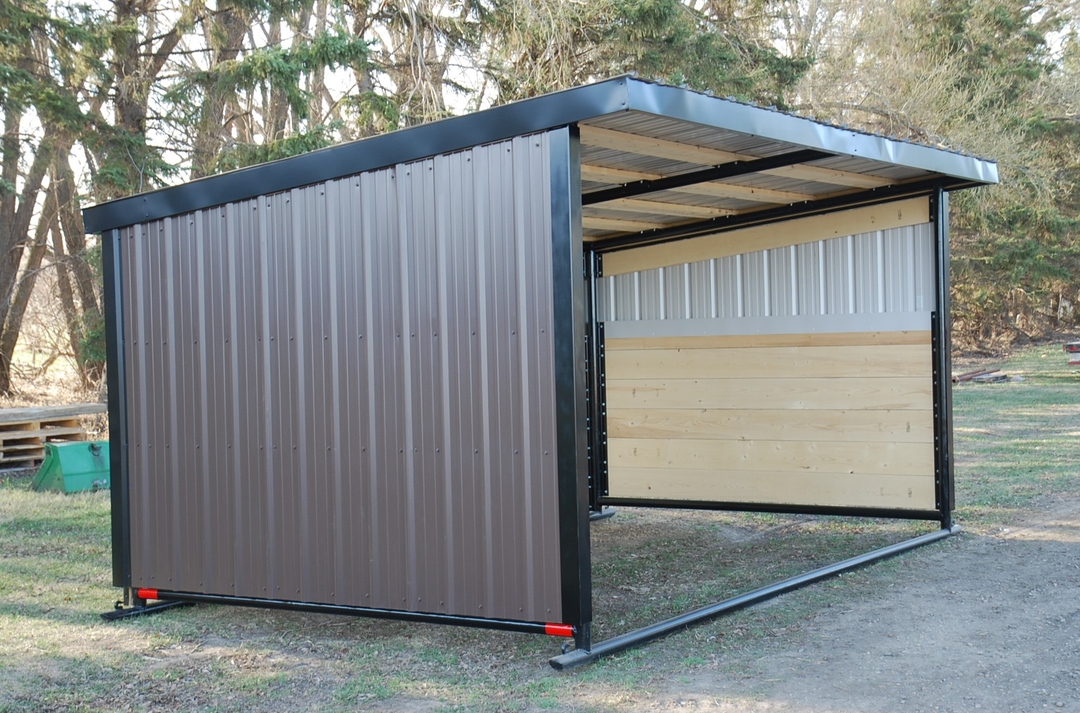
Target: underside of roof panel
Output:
[(633, 150)]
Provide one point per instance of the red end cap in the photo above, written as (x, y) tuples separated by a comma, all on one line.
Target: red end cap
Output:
[(146, 593), (558, 629)]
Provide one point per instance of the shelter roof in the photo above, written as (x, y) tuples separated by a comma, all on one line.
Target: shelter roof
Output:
[(653, 158)]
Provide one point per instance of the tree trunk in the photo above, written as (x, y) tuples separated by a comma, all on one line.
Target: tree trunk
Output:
[(88, 313), (67, 297), (224, 36), (9, 335), (13, 235), (277, 112), (9, 164)]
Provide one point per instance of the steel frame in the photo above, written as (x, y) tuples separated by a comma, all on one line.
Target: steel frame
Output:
[(117, 389), (168, 599), (571, 384), (941, 331), (942, 441), (578, 338), (594, 370)]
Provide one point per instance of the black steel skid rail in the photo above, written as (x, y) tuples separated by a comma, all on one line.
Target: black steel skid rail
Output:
[(661, 629), (168, 600), (577, 657), (122, 612)]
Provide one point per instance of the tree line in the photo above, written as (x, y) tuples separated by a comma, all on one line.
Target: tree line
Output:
[(107, 98)]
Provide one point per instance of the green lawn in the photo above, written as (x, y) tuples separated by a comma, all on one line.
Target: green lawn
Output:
[(1019, 440), (1016, 445)]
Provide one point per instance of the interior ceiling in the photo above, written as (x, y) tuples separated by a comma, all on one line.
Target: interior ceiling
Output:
[(641, 172)]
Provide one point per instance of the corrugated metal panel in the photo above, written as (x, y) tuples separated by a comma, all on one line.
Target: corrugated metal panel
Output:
[(344, 393), (882, 272), (711, 137)]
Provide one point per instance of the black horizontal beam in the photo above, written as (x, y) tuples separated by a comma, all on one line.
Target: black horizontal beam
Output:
[(121, 612), (418, 142), (898, 514), (716, 173), (661, 629), (721, 224), (525, 627)]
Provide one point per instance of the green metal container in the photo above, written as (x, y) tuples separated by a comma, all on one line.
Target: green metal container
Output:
[(74, 467)]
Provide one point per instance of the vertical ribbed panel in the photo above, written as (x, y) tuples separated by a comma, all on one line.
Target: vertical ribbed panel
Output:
[(881, 272), (344, 393)]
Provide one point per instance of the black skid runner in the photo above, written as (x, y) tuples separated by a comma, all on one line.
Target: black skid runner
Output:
[(646, 634)]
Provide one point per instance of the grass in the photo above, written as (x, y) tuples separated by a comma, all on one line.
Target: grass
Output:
[(1016, 443), (1019, 440)]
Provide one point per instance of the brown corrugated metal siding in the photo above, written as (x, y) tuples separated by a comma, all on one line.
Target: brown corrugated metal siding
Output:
[(344, 393)]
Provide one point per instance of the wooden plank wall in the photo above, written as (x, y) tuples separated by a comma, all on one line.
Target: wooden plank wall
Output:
[(843, 420)]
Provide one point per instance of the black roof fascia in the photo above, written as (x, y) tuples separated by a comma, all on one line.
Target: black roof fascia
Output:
[(402, 146), (541, 113), (771, 124)]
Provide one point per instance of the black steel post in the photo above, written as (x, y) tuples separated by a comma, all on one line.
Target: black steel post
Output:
[(941, 327), (112, 261), (597, 419), (570, 381)]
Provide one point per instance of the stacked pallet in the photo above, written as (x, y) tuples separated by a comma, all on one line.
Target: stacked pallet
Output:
[(25, 431)]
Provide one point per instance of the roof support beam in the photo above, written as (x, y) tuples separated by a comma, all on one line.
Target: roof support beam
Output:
[(606, 174), (836, 177), (590, 222), (768, 215), (818, 174), (632, 205), (603, 174), (611, 139), (657, 148), (716, 173), (735, 191)]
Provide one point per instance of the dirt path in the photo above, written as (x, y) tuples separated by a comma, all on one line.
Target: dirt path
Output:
[(981, 622)]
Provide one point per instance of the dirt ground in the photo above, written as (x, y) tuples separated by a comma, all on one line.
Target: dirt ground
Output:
[(988, 622)]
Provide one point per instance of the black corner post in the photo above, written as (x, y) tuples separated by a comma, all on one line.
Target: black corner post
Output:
[(571, 384), (112, 256), (941, 334)]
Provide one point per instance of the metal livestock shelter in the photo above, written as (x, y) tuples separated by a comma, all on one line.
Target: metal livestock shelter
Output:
[(397, 377)]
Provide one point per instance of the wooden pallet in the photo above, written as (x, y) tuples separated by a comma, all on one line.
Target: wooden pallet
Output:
[(25, 431)]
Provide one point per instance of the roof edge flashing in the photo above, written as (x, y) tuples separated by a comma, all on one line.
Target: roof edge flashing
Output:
[(414, 143), (688, 105)]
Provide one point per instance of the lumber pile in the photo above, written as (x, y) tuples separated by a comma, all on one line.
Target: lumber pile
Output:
[(980, 376), (25, 431)]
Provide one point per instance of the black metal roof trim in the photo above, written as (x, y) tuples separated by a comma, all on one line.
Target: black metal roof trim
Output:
[(414, 143), (775, 125), (525, 117), (821, 122)]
